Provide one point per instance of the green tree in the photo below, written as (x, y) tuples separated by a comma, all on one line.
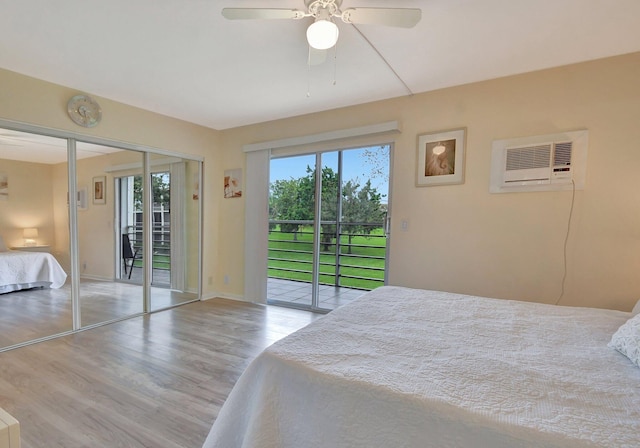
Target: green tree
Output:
[(328, 205), (161, 187), (377, 159), (361, 209), (294, 200), (291, 200)]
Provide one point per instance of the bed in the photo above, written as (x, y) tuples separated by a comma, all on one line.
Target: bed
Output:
[(25, 270), (402, 367)]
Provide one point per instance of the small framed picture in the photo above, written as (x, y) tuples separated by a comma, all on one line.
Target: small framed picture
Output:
[(233, 183), (4, 187), (100, 190), (440, 158)]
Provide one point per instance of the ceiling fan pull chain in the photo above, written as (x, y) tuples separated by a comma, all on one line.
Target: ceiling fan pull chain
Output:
[(335, 63), (309, 73)]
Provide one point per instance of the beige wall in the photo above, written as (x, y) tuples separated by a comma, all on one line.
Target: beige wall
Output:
[(28, 100), (29, 203), (461, 238)]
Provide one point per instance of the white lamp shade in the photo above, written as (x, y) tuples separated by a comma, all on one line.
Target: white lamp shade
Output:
[(30, 233), (437, 150), (322, 34)]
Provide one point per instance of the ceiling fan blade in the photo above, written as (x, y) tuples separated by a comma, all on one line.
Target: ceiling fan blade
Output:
[(400, 17), (317, 57), (261, 13)]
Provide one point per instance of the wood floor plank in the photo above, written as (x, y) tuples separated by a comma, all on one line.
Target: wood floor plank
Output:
[(152, 381), (38, 313)]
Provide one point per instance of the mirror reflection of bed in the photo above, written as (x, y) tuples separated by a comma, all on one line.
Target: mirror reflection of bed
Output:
[(38, 312), (33, 297), (31, 219)]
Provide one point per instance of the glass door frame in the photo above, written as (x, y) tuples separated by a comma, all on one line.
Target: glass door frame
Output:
[(317, 221)]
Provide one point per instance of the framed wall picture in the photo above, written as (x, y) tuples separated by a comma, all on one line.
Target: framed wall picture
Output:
[(233, 183), (440, 158), (4, 187), (100, 190)]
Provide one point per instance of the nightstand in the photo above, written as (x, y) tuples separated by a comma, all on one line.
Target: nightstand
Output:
[(38, 248)]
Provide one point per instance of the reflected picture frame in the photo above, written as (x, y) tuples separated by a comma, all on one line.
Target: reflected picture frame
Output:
[(4, 187), (233, 183), (100, 190), (440, 158)]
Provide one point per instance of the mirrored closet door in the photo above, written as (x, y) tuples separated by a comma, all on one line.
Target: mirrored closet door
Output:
[(175, 217), (110, 243), (34, 233), (107, 231)]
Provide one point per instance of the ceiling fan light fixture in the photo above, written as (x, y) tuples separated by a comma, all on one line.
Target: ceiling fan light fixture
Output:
[(322, 34)]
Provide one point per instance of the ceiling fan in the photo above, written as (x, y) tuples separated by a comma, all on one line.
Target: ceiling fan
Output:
[(323, 33)]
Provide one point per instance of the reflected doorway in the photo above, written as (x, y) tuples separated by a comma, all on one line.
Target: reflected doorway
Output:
[(174, 224), (130, 192), (101, 298)]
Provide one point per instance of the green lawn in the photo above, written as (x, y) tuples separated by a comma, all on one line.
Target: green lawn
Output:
[(159, 261), (352, 264)]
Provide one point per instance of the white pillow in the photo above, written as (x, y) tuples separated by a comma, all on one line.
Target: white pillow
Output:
[(3, 247), (636, 309), (627, 339)]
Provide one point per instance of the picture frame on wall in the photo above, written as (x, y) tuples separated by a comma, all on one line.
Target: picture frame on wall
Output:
[(100, 190), (440, 158), (233, 183), (4, 187)]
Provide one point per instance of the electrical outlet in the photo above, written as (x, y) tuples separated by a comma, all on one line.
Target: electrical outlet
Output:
[(226, 279), (210, 280), (84, 266)]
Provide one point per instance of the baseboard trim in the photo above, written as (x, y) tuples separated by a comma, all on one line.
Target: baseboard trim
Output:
[(224, 295)]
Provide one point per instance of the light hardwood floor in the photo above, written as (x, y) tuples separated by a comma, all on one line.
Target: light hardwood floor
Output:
[(152, 381), (37, 313)]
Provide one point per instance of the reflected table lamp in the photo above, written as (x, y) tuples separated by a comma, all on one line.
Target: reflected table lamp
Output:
[(30, 236)]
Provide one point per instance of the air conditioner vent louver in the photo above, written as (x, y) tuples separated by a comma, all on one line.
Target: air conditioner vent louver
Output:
[(528, 157), (539, 163), (562, 154)]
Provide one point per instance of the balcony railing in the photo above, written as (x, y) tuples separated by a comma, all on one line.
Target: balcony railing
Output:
[(161, 237), (351, 254)]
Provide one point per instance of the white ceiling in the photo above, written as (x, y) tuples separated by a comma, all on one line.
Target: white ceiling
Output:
[(34, 148), (181, 58)]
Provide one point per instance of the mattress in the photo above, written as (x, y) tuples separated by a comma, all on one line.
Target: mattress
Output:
[(23, 270), (402, 367)]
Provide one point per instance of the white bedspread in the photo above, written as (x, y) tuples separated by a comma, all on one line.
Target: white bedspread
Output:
[(20, 270), (412, 368)]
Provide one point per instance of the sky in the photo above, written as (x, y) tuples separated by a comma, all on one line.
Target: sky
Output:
[(355, 164)]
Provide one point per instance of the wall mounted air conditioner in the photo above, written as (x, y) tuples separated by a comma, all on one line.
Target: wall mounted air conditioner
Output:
[(539, 163)]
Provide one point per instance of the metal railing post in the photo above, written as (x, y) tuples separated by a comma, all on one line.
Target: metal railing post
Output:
[(290, 263)]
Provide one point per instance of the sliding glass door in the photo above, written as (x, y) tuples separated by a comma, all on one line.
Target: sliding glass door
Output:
[(292, 230), (327, 249)]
